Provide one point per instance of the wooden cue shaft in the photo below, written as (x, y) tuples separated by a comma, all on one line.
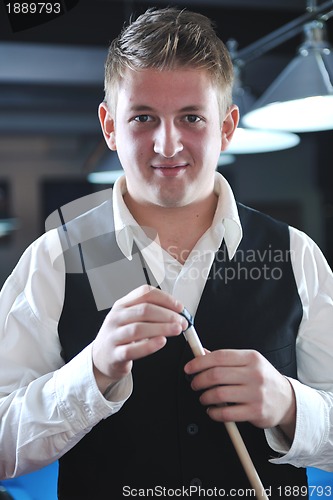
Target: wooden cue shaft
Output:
[(231, 427)]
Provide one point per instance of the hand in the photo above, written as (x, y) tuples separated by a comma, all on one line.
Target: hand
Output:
[(261, 395), (137, 325)]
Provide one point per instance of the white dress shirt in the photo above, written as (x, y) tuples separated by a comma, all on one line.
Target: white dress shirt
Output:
[(47, 406)]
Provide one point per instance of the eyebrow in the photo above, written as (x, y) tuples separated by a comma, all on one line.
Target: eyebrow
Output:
[(143, 107)]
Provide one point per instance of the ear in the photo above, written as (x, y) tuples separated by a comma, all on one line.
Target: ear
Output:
[(108, 127), (229, 126)]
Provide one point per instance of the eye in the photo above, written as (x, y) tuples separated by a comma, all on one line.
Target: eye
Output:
[(142, 118), (192, 118)]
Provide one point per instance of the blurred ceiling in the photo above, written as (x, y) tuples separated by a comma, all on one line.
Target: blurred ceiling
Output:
[(51, 75)]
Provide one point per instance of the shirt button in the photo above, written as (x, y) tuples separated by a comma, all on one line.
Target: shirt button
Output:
[(87, 410), (196, 482), (192, 429)]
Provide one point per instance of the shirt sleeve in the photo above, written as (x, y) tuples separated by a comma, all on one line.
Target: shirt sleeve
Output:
[(313, 442), (46, 407)]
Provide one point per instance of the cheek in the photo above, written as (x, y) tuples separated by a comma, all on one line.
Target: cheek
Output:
[(210, 144), (139, 146), (209, 153), (132, 154)]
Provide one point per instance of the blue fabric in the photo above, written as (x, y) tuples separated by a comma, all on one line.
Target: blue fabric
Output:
[(39, 485), (42, 485)]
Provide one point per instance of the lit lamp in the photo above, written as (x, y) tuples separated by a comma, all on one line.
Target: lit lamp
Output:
[(248, 141), (103, 166), (256, 140), (7, 226), (301, 98)]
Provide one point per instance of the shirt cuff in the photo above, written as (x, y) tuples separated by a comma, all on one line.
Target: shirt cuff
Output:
[(79, 397), (311, 433)]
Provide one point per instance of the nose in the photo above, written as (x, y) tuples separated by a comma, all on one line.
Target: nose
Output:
[(167, 141)]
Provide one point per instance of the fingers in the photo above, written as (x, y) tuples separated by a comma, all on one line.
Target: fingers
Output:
[(139, 316), (132, 333), (224, 358), (241, 385), (228, 385), (149, 294), (143, 314), (140, 349), (229, 413), (137, 326), (226, 394)]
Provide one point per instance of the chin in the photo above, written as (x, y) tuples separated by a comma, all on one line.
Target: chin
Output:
[(171, 200)]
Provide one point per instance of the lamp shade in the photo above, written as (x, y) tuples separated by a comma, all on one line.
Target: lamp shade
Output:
[(301, 98), (248, 141), (104, 166), (256, 140)]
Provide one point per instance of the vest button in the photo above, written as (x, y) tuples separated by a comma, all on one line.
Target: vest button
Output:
[(192, 429), (196, 482)]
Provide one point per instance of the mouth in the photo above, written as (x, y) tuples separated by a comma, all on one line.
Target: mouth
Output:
[(170, 170)]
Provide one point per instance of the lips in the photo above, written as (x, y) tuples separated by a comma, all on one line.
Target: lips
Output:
[(170, 165), (170, 170)]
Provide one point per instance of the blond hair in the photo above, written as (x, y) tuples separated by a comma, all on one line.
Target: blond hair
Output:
[(167, 39)]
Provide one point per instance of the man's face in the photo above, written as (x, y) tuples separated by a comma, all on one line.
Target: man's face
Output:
[(168, 133)]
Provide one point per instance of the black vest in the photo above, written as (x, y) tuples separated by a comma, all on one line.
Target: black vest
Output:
[(162, 437)]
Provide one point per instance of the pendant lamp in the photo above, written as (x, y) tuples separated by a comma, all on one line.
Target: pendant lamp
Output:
[(301, 98)]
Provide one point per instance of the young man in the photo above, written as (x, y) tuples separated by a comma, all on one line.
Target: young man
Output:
[(110, 386)]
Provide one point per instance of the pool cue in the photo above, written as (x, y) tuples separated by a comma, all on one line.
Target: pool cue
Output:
[(192, 338)]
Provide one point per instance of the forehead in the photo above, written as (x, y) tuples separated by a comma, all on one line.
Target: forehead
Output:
[(160, 88)]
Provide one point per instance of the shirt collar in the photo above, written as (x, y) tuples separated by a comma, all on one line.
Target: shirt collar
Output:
[(226, 215), (124, 221), (226, 219)]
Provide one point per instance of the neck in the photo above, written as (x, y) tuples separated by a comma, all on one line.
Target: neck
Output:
[(178, 228)]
